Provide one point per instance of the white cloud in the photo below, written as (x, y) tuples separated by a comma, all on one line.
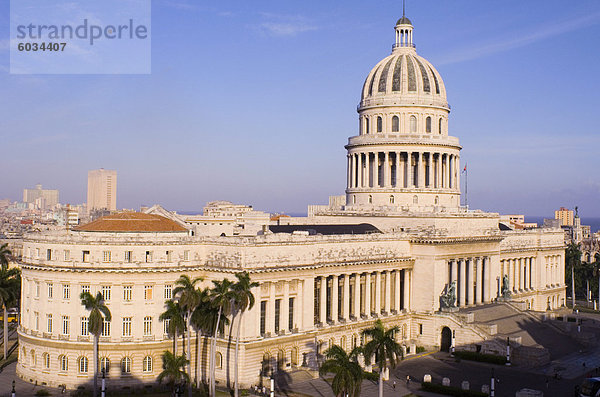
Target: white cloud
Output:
[(285, 25)]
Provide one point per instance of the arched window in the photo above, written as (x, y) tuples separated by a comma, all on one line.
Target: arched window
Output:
[(437, 200), (32, 353), (415, 200), (353, 199), (46, 359), (428, 124), (294, 356), (391, 199), (379, 124), (367, 129), (126, 366), (354, 341), (219, 360), (104, 365), (147, 364), (404, 331), (343, 342), (63, 362), (440, 125), (83, 365), (331, 343), (413, 124), (370, 199), (395, 124)]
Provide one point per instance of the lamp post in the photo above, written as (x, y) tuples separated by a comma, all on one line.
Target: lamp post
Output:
[(507, 351), (103, 387), (13, 393), (272, 388), (493, 385), (452, 343)]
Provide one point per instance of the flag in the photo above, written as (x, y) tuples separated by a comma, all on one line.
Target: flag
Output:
[(464, 169)]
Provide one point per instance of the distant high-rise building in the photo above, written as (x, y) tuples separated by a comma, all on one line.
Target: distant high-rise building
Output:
[(102, 190), (41, 198), (565, 216)]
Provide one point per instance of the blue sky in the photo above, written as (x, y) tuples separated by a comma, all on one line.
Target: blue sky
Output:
[(253, 102)]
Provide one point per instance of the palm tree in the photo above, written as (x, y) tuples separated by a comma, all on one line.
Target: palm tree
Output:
[(173, 372), (174, 313), (383, 345), (220, 296), (348, 375), (10, 287), (188, 298), (98, 313), (243, 300), (5, 255)]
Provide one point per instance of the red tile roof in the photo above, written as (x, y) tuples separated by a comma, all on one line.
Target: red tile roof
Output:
[(131, 222)]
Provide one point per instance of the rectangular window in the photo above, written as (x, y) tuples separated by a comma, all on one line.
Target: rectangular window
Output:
[(85, 288), (277, 311), (36, 315), (263, 316), (49, 254), (291, 315), (186, 255), (65, 325), (167, 324), (147, 326), (37, 253), (105, 292), (148, 256), (128, 256), (126, 326), (50, 290), (105, 328), (66, 291), (85, 256), (168, 291), (106, 256), (67, 255), (420, 329), (49, 322), (37, 289), (85, 322), (148, 292), (169, 255), (127, 293)]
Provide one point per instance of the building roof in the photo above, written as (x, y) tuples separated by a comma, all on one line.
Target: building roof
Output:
[(131, 222), (362, 228), (404, 21)]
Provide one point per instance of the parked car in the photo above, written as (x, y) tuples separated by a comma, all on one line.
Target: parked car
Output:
[(590, 388)]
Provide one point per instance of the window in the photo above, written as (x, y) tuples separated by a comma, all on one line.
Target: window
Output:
[(33, 358), (85, 256), (186, 255), (126, 326), (46, 360), (147, 326), (367, 125), (49, 323), (128, 256), (106, 256), (49, 254), (148, 256), (65, 325), (66, 291), (420, 329), (379, 124), (169, 255), (263, 316), (219, 360), (291, 314), (105, 328), (67, 255), (167, 324), (36, 315), (370, 199), (85, 288), (147, 364), (126, 366), (391, 199), (168, 291), (37, 253), (105, 292), (85, 322), (440, 125), (437, 200), (277, 311), (415, 200), (127, 293), (83, 365), (50, 290), (37, 289), (104, 365), (64, 363), (148, 292), (428, 124), (413, 124), (395, 124)]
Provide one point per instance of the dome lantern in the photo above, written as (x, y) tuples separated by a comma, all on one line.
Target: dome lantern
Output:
[(404, 32)]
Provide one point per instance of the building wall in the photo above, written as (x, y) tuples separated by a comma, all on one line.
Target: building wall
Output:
[(102, 190)]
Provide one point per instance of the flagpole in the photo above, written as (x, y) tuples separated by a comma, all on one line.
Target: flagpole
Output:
[(466, 186)]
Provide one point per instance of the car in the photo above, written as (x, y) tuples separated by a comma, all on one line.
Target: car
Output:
[(590, 387)]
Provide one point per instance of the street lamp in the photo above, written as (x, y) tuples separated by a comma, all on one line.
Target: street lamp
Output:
[(103, 388), (13, 393)]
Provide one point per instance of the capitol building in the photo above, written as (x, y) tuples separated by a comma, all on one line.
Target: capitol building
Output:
[(389, 249)]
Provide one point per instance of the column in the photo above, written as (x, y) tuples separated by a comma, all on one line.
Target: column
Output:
[(346, 304), (335, 298), (368, 294), (438, 174), (377, 293), (397, 291), (256, 309), (376, 169), (357, 295), (285, 307), (478, 281), (360, 171), (421, 170), (508, 273), (387, 177), (410, 175), (532, 273), (514, 271), (323, 301), (387, 307), (526, 273), (487, 287), (445, 171), (462, 285), (457, 172), (270, 317), (454, 275), (407, 289), (470, 281), (349, 174), (397, 165)]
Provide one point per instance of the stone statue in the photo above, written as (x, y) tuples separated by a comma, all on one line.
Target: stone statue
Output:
[(448, 298), (505, 288)]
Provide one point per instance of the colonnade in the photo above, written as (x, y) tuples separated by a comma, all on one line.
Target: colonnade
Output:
[(406, 169), (554, 270), (472, 278), (521, 273)]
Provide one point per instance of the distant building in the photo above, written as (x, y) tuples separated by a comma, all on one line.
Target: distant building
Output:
[(102, 190), (42, 199), (565, 216), (517, 222)]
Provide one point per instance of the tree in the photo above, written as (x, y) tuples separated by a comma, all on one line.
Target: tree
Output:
[(348, 375), (573, 278), (98, 314), (243, 300), (5, 255), (10, 287), (174, 313), (220, 297), (173, 373), (188, 298), (384, 347)]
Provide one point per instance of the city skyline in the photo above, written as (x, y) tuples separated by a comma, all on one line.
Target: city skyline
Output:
[(259, 113)]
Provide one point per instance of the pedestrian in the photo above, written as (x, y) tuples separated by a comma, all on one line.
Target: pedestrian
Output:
[(407, 380), (547, 384), (394, 385)]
